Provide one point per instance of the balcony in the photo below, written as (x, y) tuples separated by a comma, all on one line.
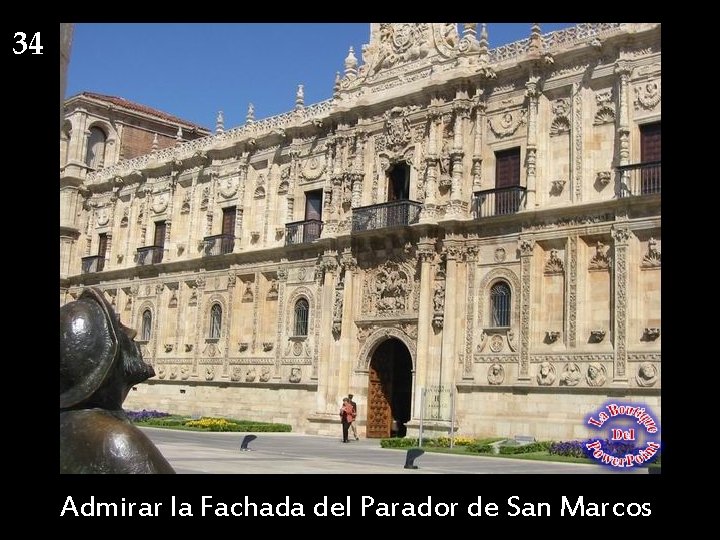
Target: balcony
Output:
[(220, 244), (498, 202), (640, 179), (149, 255), (94, 263), (389, 214), (302, 232)]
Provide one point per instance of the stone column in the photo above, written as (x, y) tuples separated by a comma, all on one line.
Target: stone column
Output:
[(242, 180), (526, 246), (347, 272), (622, 69), (227, 322), (462, 113), (471, 252), (453, 252), (480, 108), (426, 255), (571, 292), (621, 236), (359, 175), (431, 160), (282, 275), (533, 93), (330, 350)]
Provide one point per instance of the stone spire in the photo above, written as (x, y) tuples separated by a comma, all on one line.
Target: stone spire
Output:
[(535, 39), (300, 97), (351, 63), (179, 135), (155, 143), (250, 116), (336, 86), (483, 40), (219, 123), (470, 30)]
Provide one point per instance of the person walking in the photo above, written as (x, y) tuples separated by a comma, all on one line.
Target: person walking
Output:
[(354, 407), (346, 417)]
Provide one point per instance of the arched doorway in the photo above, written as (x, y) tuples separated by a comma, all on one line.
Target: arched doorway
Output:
[(389, 390)]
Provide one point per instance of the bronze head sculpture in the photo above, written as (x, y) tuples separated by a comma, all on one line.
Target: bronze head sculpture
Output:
[(99, 364)]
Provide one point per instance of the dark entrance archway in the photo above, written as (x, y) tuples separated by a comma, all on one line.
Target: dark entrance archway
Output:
[(389, 390)]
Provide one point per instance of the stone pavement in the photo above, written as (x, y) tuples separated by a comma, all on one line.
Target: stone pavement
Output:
[(291, 453)]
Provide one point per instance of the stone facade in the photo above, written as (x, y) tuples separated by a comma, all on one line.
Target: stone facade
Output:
[(489, 212)]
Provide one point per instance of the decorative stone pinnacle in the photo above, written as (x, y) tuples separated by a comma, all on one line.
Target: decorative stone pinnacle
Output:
[(250, 117), (469, 30), (535, 39), (300, 97), (179, 134), (351, 63), (219, 123), (155, 143), (484, 36)]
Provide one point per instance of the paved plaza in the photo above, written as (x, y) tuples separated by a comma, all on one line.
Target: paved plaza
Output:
[(290, 453)]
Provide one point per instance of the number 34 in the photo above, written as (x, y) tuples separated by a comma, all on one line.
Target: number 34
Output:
[(20, 38)]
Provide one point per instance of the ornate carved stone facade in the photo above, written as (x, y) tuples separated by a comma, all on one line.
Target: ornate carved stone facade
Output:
[(419, 264)]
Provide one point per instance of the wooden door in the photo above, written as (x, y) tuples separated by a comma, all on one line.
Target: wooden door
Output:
[(228, 223), (102, 248), (159, 241), (507, 175), (379, 416)]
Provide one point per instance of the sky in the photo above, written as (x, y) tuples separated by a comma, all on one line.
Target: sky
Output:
[(194, 70)]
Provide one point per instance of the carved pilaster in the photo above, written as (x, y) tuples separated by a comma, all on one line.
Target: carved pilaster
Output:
[(472, 253), (532, 92), (526, 246), (571, 328), (480, 108), (622, 69), (621, 236), (577, 145)]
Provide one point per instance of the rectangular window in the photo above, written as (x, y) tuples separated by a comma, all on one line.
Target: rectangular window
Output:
[(102, 248), (507, 168), (227, 243), (313, 215), (159, 241), (507, 179), (650, 145)]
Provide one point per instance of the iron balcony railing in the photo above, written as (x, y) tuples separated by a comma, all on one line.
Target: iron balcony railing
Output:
[(498, 202), (389, 214), (302, 232), (94, 263), (640, 179), (149, 255), (220, 244)]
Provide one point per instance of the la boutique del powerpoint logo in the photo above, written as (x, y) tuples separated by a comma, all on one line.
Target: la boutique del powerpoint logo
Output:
[(631, 435)]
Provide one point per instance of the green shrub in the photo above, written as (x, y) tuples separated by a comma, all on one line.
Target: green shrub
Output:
[(398, 443), (525, 448), (480, 448)]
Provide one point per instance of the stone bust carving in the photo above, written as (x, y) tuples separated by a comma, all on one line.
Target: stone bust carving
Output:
[(99, 363)]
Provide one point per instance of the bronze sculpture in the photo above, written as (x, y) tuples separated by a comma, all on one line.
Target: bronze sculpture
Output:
[(99, 364)]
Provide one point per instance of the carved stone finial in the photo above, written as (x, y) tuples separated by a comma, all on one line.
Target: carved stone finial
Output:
[(155, 143), (219, 123), (179, 134), (483, 38), (470, 30), (250, 116), (299, 97), (351, 63), (535, 39), (336, 86)]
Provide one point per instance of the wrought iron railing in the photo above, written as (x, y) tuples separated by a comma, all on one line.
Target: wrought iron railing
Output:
[(302, 232), (149, 255), (220, 244), (94, 263), (498, 202), (389, 214), (640, 179)]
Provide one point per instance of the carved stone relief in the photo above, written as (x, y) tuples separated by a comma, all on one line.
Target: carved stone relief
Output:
[(570, 375), (652, 258), (546, 374), (596, 374), (507, 122), (554, 264), (561, 121), (647, 374), (647, 95), (605, 107), (495, 374)]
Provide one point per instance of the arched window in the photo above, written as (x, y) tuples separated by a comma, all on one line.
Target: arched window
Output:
[(215, 321), (500, 304), (95, 157), (302, 309), (146, 325)]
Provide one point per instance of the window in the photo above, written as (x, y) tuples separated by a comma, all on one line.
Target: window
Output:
[(650, 157), (500, 304), (102, 248), (507, 168), (398, 182), (95, 157), (146, 325), (302, 309), (215, 321)]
